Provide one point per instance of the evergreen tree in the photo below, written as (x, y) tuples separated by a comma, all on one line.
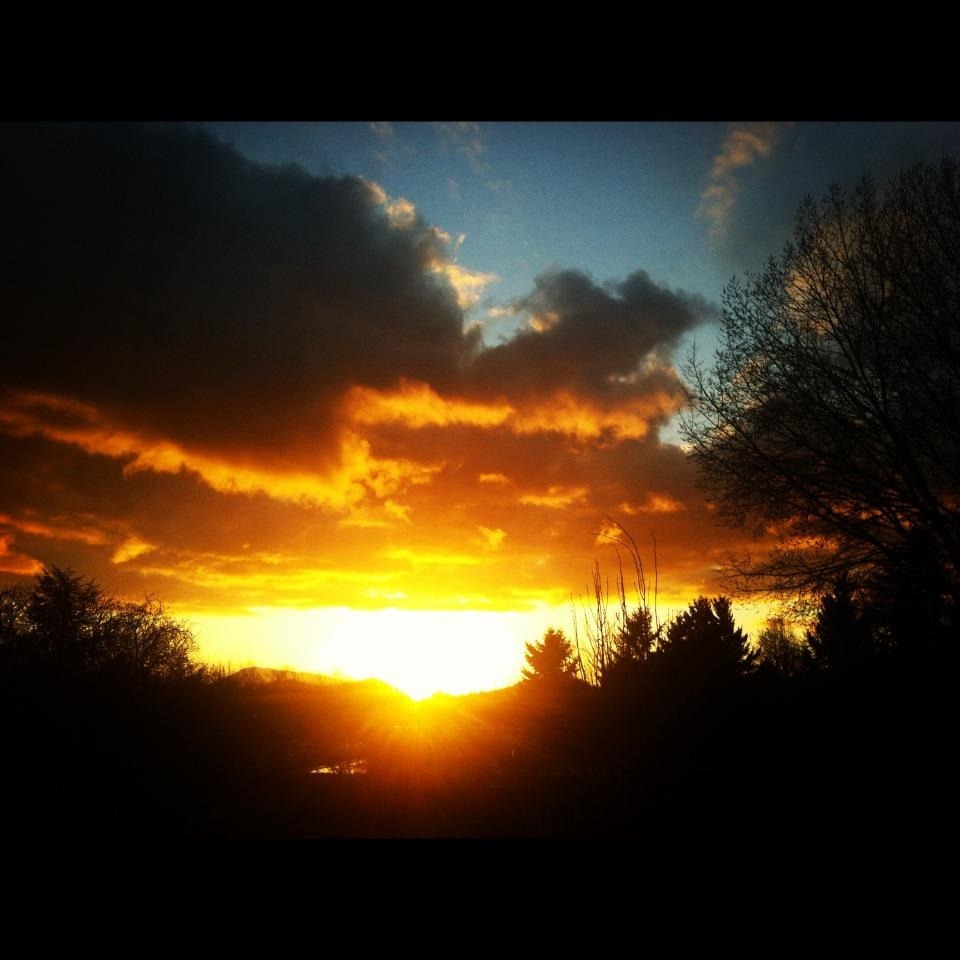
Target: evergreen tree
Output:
[(705, 642), (552, 660)]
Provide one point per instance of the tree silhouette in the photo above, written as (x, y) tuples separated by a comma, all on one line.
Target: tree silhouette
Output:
[(68, 623), (552, 660), (831, 412), (778, 650), (841, 638), (704, 642)]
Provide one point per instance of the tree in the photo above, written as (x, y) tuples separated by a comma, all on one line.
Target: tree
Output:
[(705, 643), (841, 639), (552, 660), (830, 417), (779, 650), (68, 623)]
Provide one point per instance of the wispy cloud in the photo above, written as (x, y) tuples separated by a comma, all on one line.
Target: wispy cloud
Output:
[(382, 128), (743, 146), (465, 138)]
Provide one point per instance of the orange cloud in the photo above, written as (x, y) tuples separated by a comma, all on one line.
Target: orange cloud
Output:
[(130, 549), (82, 534), (129, 545), (416, 405), (431, 558), (555, 498), (491, 539), (655, 503), (18, 563), (358, 473)]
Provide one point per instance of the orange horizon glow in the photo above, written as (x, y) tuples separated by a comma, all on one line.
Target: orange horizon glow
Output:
[(419, 652)]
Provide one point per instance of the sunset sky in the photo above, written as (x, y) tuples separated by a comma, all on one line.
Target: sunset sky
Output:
[(356, 397)]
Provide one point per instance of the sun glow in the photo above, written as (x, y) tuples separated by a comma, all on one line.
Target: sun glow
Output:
[(420, 652)]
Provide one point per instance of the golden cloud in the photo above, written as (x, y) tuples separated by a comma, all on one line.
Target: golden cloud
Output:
[(402, 214), (556, 498), (491, 539), (417, 405), (130, 549), (357, 474), (655, 503), (468, 284)]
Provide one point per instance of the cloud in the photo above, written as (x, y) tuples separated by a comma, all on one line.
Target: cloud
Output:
[(440, 558), (191, 294), (16, 563), (762, 217), (469, 284), (57, 531), (655, 503), (583, 336), (556, 498), (743, 146), (403, 214), (382, 129), (355, 473), (235, 385), (130, 549), (491, 539), (466, 139), (416, 405)]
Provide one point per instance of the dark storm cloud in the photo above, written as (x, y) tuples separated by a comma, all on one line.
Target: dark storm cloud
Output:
[(588, 337), (157, 274)]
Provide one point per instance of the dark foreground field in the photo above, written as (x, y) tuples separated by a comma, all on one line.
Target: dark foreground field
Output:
[(770, 761)]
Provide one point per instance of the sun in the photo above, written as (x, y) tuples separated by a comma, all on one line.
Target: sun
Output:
[(422, 652)]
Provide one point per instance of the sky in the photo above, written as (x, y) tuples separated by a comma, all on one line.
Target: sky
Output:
[(359, 397)]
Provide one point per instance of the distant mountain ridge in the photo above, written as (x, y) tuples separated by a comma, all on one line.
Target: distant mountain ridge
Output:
[(261, 676)]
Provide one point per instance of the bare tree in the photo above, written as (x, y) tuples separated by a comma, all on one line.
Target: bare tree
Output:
[(830, 416)]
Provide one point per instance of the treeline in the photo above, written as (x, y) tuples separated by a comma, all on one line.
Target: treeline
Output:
[(110, 727), (845, 727)]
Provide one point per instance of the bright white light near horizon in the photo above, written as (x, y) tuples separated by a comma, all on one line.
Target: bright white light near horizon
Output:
[(418, 651)]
